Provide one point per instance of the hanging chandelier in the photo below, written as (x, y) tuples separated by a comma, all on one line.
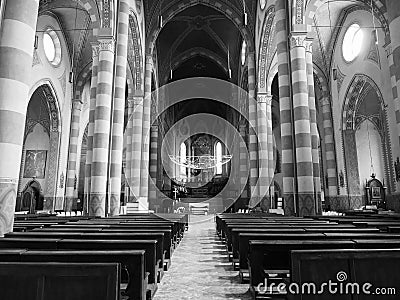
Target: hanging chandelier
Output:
[(200, 162)]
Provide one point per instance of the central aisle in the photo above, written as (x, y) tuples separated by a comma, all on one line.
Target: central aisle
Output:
[(200, 268)]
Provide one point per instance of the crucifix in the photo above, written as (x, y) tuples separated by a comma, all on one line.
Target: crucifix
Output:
[(175, 192)]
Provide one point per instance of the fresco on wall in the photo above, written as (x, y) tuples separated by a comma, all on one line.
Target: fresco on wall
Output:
[(35, 164)]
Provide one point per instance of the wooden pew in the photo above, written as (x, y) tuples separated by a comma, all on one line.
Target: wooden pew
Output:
[(271, 259), (234, 246), (101, 236), (168, 244), (246, 237), (21, 281), (378, 267), (68, 244)]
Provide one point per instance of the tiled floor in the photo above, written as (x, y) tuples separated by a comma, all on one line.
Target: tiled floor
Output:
[(200, 268)]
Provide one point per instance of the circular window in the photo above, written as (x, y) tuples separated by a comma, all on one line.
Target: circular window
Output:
[(262, 4), (52, 47), (352, 42), (244, 52)]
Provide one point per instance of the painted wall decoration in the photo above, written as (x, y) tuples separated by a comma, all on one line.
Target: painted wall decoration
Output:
[(35, 164)]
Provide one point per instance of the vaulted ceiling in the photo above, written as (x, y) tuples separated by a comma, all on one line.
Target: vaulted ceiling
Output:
[(328, 22), (76, 25)]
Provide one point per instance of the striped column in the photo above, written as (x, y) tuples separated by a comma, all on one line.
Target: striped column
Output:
[(285, 107), (144, 180), (136, 158), (98, 186), (72, 153), (270, 140), (153, 164), (16, 50), (302, 125), (329, 145), (263, 150), (128, 153), (393, 53), (253, 143), (243, 163), (117, 143), (92, 108), (313, 126)]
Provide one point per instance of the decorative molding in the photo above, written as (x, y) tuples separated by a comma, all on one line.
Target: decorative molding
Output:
[(297, 40), (107, 44), (299, 11), (135, 55), (265, 45), (106, 14)]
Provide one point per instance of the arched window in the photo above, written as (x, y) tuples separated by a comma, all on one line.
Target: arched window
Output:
[(244, 52), (52, 47), (352, 42), (183, 154), (218, 155)]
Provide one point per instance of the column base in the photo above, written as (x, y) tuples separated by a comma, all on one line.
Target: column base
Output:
[(69, 203), (288, 204), (306, 205), (97, 205), (8, 196), (114, 204)]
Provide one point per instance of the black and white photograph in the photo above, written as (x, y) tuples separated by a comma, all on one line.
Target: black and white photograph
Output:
[(199, 149)]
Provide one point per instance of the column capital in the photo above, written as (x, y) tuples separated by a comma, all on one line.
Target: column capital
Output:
[(308, 44), (297, 39), (107, 44), (77, 104), (95, 49), (264, 98), (136, 100)]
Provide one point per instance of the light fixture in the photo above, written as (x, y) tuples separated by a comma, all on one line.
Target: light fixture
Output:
[(71, 77), (200, 162), (245, 18)]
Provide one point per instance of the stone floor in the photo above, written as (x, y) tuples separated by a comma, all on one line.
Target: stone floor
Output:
[(200, 268)]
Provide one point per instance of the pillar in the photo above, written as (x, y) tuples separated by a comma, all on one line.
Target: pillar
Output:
[(144, 180), (264, 137), (313, 126), (128, 152), (136, 156), (117, 142), (153, 164), (393, 53), (19, 20), (329, 145), (302, 125), (73, 153), (92, 108), (253, 139), (285, 108), (102, 119)]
